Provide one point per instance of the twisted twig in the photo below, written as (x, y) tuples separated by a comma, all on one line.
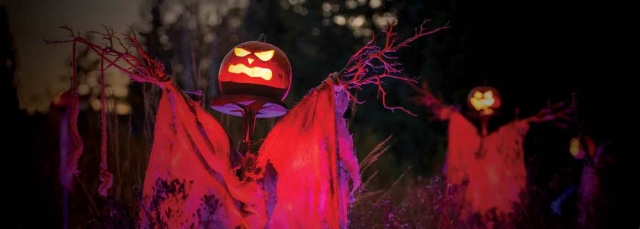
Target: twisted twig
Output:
[(371, 64)]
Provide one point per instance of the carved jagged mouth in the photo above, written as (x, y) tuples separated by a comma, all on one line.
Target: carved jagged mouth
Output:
[(254, 72), (481, 104)]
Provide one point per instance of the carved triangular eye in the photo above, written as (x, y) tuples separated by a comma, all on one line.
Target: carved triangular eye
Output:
[(240, 52), (488, 94), (266, 55), (477, 94)]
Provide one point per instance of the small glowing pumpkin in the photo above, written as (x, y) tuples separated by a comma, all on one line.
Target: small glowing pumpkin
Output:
[(575, 149), (484, 99), (578, 151), (255, 68)]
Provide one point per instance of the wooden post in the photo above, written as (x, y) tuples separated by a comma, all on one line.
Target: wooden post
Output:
[(484, 125), (65, 147), (248, 127)]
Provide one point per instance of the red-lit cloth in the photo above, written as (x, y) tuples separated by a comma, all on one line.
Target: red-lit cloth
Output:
[(189, 180), (496, 178)]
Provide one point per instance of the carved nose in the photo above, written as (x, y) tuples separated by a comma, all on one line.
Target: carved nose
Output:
[(250, 60)]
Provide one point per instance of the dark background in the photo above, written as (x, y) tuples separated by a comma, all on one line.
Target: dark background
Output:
[(533, 52)]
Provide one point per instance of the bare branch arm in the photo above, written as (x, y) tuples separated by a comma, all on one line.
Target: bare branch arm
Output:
[(372, 64), (558, 113), (139, 66), (426, 98)]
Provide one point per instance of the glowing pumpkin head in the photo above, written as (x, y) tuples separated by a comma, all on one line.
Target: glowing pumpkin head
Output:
[(576, 149), (255, 68), (484, 99)]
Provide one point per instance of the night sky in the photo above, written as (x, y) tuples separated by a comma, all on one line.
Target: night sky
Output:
[(520, 48), (33, 21)]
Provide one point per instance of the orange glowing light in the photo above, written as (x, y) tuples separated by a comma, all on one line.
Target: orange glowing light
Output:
[(579, 150), (265, 56), (484, 99), (255, 68), (574, 147), (259, 72), (482, 102), (254, 72), (240, 52)]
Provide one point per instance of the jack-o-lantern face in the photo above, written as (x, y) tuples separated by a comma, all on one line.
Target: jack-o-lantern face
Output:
[(255, 68), (484, 99)]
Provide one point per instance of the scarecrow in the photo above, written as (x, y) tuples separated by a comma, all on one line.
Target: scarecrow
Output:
[(305, 173), (596, 163), (489, 166)]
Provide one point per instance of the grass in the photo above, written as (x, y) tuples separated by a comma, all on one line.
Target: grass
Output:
[(409, 201)]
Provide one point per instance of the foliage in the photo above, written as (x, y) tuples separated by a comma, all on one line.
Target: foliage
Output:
[(193, 62), (426, 204), (431, 203), (301, 29)]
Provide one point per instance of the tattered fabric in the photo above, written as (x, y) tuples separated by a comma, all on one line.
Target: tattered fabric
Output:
[(312, 153), (304, 168), (492, 165), (189, 180)]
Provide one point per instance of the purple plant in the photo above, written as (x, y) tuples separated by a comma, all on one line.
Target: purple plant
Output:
[(425, 204), (432, 203)]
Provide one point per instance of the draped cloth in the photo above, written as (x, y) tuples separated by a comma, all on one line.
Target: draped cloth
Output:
[(189, 180), (589, 194), (304, 171), (492, 165), (312, 153)]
